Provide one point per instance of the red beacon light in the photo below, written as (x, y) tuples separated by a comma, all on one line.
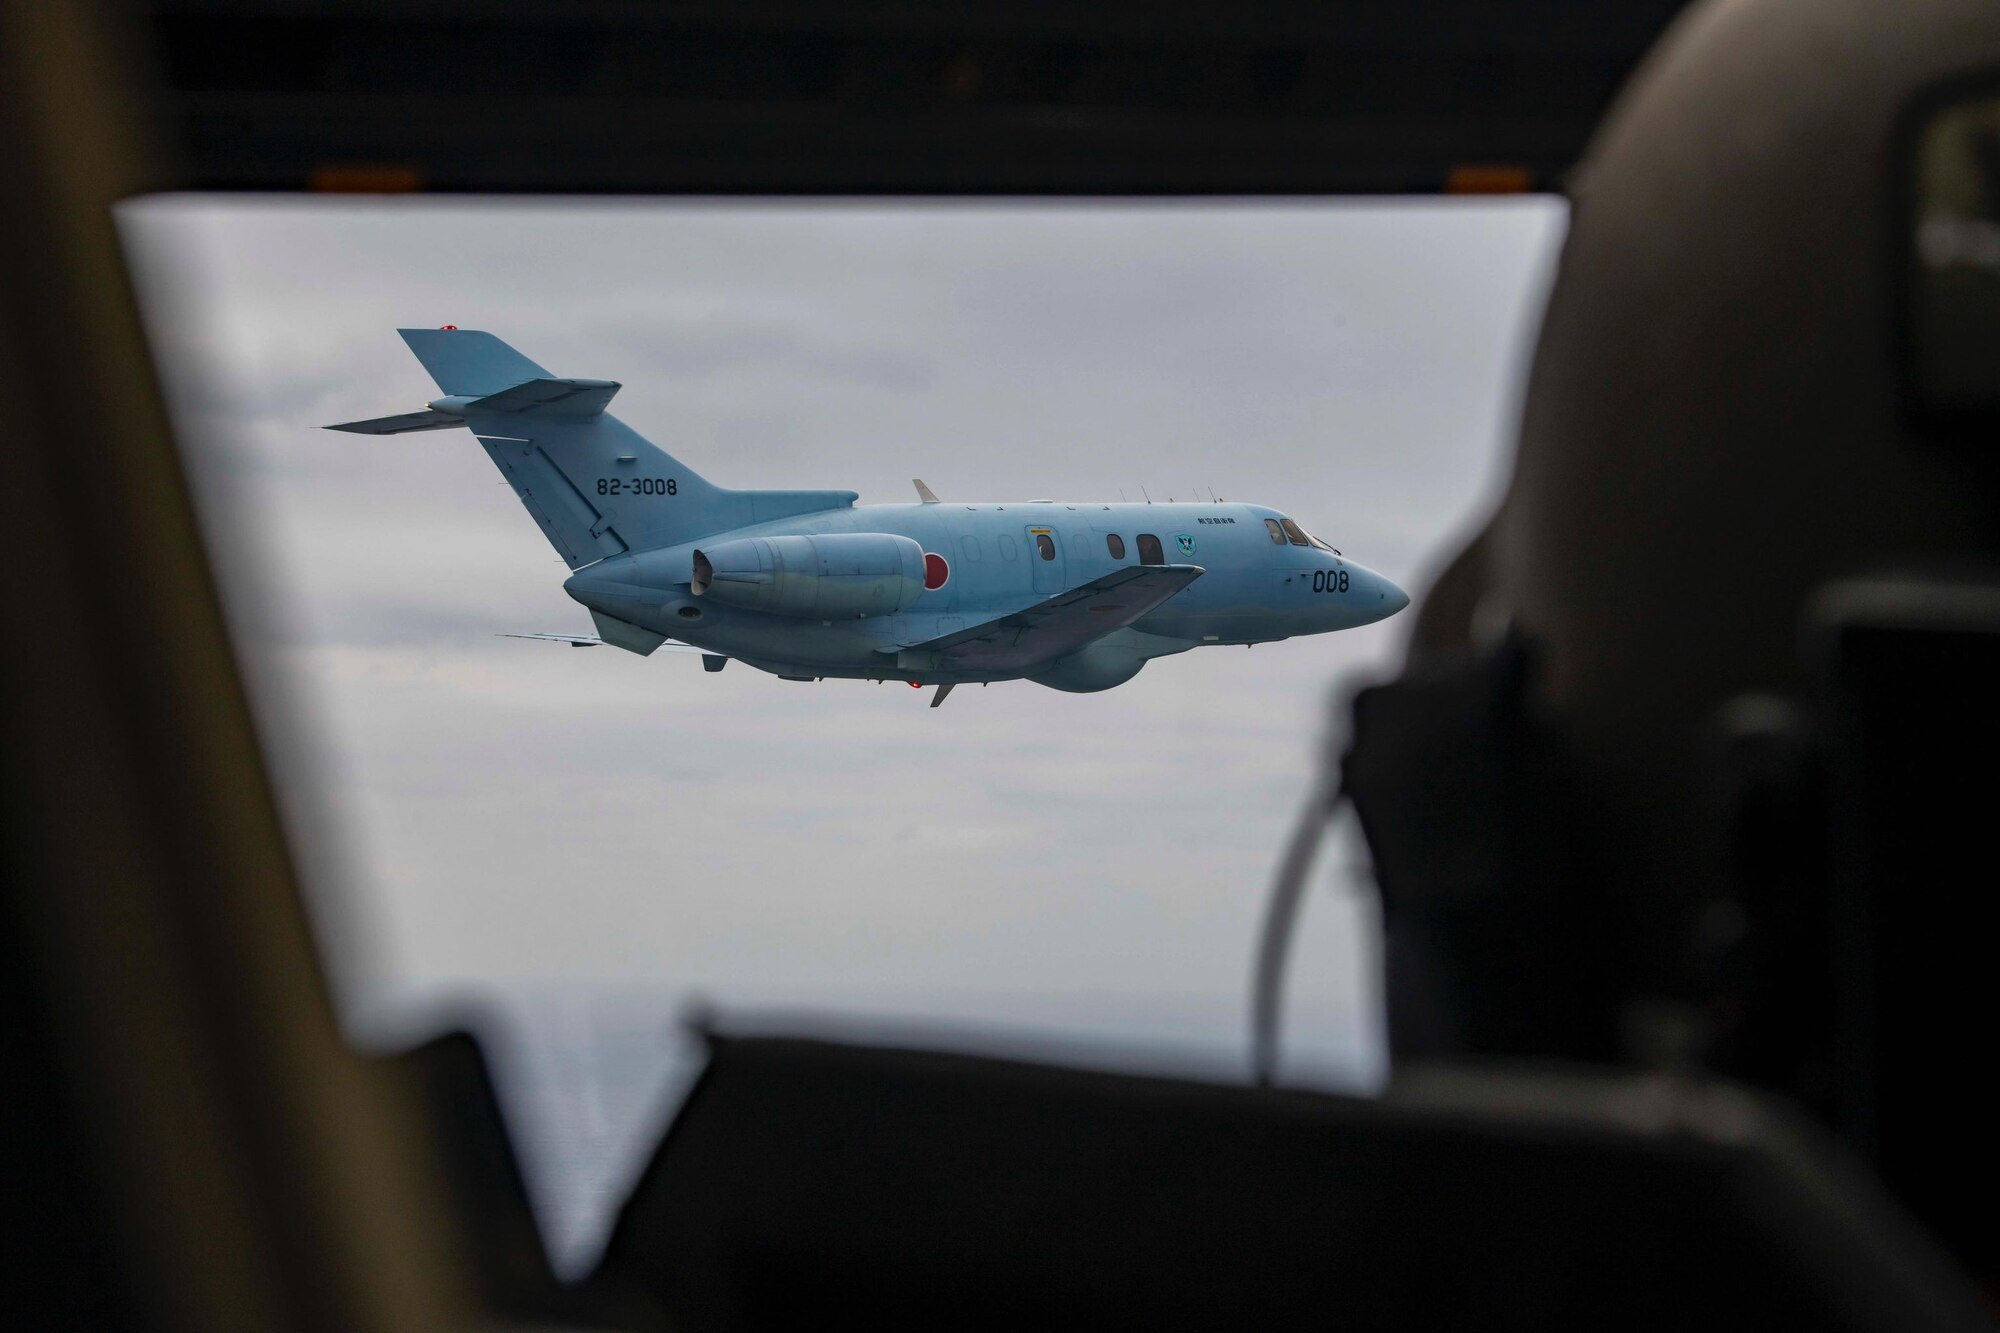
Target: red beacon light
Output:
[(448, 328)]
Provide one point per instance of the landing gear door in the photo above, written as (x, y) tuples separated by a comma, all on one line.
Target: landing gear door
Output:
[(1045, 561)]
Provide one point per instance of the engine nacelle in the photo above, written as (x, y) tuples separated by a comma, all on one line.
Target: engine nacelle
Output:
[(841, 576)]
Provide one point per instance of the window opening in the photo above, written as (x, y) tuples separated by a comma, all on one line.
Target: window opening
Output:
[(1149, 550), (1115, 544)]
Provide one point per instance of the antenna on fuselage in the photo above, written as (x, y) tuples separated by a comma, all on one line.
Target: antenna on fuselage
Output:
[(1143, 491)]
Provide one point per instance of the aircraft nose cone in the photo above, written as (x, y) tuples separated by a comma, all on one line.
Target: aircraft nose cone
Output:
[(1381, 598)]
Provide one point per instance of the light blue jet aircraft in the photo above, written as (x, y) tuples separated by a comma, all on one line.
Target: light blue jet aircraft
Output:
[(807, 586)]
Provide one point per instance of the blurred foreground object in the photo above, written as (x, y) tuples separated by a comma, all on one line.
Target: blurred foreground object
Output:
[(1689, 764), (808, 1183), (947, 96), (189, 1144)]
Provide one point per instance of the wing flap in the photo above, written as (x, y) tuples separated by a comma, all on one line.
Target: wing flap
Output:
[(1060, 625)]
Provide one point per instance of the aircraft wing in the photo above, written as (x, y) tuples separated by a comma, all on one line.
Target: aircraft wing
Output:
[(1065, 622), (592, 641)]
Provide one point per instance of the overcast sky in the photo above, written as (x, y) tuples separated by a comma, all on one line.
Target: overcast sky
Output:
[(477, 811)]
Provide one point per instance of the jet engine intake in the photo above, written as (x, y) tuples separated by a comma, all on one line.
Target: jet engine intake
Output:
[(840, 576)]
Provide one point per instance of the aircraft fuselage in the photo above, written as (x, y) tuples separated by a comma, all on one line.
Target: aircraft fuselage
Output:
[(1253, 588)]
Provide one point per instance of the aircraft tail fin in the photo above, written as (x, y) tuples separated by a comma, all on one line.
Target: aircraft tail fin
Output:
[(469, 363), (594, 486)]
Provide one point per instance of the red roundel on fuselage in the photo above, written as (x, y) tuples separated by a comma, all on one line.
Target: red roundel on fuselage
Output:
[(936, 571)]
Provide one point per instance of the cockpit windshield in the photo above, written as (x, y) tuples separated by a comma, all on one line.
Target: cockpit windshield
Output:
[(1300, 537)]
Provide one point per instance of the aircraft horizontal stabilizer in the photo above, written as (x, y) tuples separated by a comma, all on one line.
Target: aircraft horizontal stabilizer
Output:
[(569, 399), (543, 399), (1060, 625), (402, 425)]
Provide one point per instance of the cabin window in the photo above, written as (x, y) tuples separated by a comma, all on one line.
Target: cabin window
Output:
[(968, 547), (1046, 545), (1115, 544), (1008, 549), (1149, 550), (1277, 533)]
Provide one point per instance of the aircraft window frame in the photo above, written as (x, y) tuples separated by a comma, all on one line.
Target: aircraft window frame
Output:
[(1045, 546), (968, 549), (1156, 555), (1010, 550), (1114, 544), (1300, 537), (1277, 533), (1950, 418)]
